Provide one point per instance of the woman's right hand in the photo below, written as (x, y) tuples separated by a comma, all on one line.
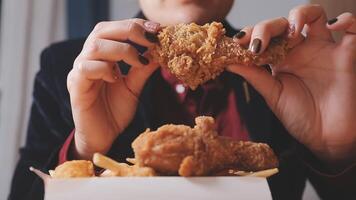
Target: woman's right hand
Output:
[(104, 101)]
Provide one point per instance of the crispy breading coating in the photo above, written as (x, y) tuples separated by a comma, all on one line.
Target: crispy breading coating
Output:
[(198, 151), (196, 54), (73, 169)]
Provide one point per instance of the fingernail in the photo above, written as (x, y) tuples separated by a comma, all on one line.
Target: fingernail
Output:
[(239, 35), (332, 21), (143, 60), (151, 26), (256, 46), (151, 37), (291, 29)]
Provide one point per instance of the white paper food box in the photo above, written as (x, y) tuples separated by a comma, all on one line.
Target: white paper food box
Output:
[(156, 188)]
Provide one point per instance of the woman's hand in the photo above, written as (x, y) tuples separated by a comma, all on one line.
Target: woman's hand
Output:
[(103, 100), (313, 92)]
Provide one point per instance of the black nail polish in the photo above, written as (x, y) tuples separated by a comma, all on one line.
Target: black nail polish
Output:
[(332, 21), (256, 46), (151, 37), (239, 35), (143, 60)]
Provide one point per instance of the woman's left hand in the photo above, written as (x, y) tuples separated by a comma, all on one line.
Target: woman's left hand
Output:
[(313, 92)]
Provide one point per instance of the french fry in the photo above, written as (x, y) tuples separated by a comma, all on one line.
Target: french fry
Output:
[(131, 160), (51, 173), (264, 173), (107, 173), (121, 169), (239, 173), (108, 163)]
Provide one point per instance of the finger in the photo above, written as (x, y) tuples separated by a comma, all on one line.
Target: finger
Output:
[(294, 41), (345, 22), (314, 17), (243, 37), (137, 77), (139, 31), (264, 31), (97, 70), (85, 72), (269, 87), (109, 50)]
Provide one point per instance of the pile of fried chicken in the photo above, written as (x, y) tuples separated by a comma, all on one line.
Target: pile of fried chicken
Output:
[(196, 54), (179, 149)]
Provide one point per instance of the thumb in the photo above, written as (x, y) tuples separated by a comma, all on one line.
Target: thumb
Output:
[(263, 81)]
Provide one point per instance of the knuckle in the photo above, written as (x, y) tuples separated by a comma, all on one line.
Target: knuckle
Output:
[(349, 43), (70, 81), (297, 12), (132, 26), (320, 9), (98, 29), (263, 26), (298, 9), (283, 19), (137, 22), (349, 16), (70, 76), (99, 26), (127, 48), (80, 66), (107, 66), (248, 28), (294, 10), (318, 6), (92, 46)]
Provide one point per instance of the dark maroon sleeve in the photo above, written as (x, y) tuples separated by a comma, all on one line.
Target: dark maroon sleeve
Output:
[(328, 182), (63, 152)]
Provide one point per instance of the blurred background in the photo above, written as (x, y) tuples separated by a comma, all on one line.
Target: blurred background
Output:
[(27, 27)]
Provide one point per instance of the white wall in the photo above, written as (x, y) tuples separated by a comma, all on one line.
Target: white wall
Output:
[(26, 28)]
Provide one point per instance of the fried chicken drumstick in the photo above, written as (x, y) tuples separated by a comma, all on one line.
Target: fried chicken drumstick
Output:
[(198, 151), (196, 54)]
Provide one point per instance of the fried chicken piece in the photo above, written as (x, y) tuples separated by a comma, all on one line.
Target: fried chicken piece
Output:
[(198, 151), (196, 54), (73, 169)]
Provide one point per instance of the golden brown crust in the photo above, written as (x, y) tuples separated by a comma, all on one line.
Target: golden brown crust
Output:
[(73, 169), (196, 54), (179, 149)]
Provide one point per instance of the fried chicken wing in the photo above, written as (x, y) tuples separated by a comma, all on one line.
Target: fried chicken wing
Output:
[(196, 54), (180, 149), (73, 169)]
